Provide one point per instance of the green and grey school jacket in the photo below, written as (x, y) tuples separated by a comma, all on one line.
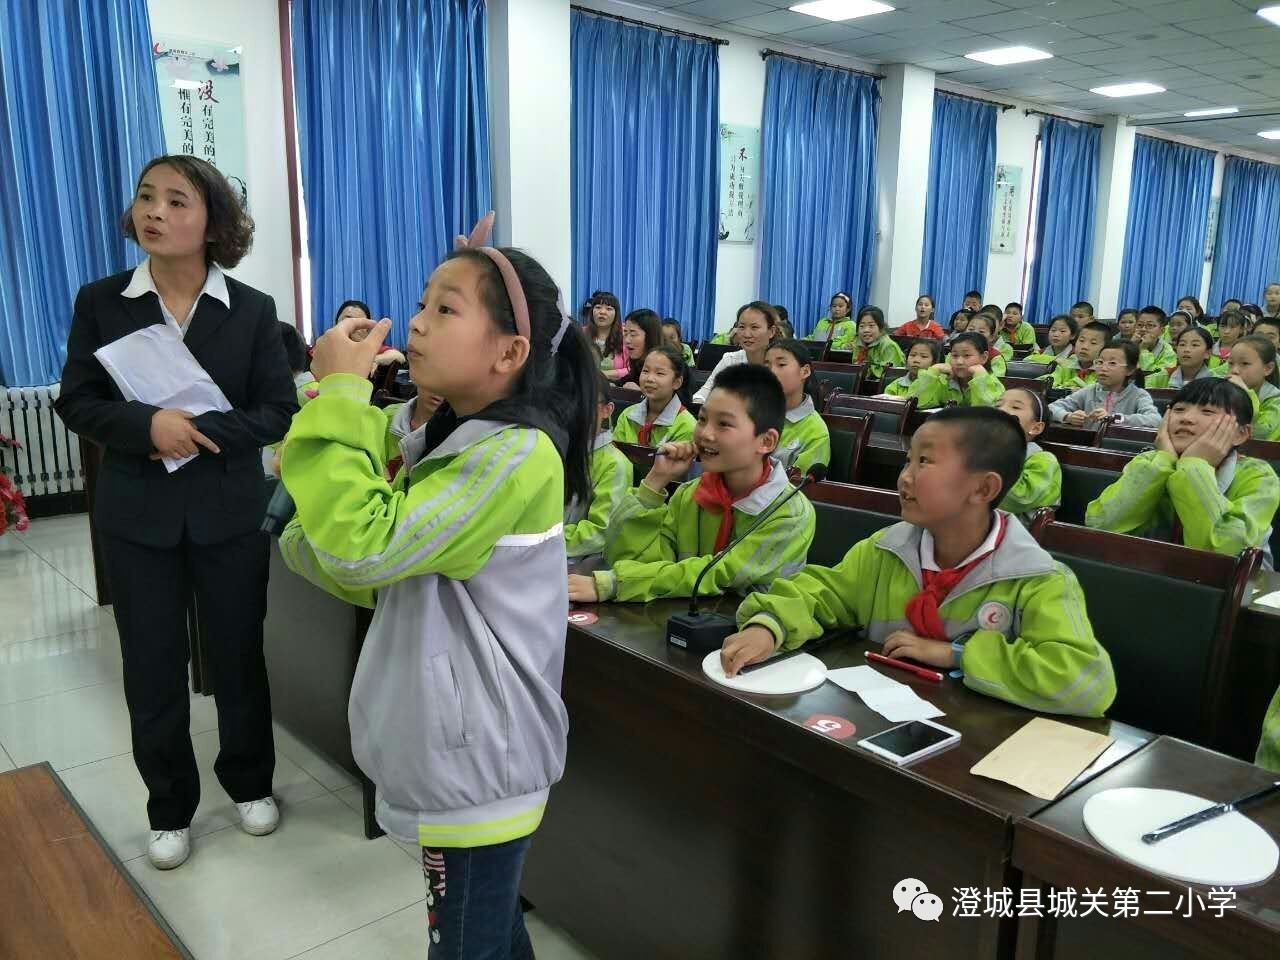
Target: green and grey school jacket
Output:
[(805, 438), (1132, 404), (1175, 379), (455, 709), (674, 425), (1039, 484), (611, 477)]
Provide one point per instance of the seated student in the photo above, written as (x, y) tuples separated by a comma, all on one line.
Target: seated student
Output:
[(756, 328), (1231, 327), (1268, 756), (1253, 366), (1114, 396), (876, 349), (1127, 323), (962, 379), (922, 325), (1001, 352), (726, 337), (1268, 329), (661, 416), (959, 324), (1078, 372), (805, 438), (976, 591), (641, 333), (1016, 330), (611, 474), (1253, 312), (785, 330), (1157, 353), (1083, 312), (657, 549), (1062, 334), (1270, 301), (1194, 488), (1194, 348), (836, 327), (1040, 483), (1232, 304), (922, 355), (972, 301), (1194, 311), (1179, 320), (671, 336)]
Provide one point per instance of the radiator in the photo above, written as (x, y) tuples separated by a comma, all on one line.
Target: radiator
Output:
[(48, 465)]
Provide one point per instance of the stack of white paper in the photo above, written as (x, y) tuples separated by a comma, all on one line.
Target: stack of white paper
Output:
[(154, 366), (894, 701)]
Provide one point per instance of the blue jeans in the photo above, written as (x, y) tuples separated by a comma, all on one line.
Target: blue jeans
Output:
[(473, 902)]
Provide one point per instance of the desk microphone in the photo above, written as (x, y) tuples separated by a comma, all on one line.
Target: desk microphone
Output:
[(280, 510), (703, 632)]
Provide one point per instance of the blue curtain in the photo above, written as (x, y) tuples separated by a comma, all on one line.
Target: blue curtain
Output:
[(79, 117), (1068, 192), (818, 190), (645, 169), (1247, 252), (1168, 218), (957, 220), (394, 145)]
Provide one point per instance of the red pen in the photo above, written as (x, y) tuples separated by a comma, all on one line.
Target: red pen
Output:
[(923, 673)]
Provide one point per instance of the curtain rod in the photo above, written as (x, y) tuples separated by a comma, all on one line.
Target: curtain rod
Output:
[(652, 26), (964, 96), (767, 53), (1057, 116)]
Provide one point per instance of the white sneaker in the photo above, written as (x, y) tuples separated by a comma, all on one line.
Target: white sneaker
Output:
[(169, 848), (259, 817)]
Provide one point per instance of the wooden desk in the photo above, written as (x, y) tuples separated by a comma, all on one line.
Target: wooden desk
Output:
[(63, 893), (693, 821), (1053, 849), (1252, 674)]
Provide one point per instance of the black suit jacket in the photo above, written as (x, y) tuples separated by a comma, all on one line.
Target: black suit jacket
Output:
[(216, 496)]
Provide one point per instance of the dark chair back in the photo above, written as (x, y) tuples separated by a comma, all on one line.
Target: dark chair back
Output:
[(641, 459), (833, 377), (1038, 387), (1116, 436), (847, 514), (1042, 335), (849, 439), (903, 342), (1025, 370), (831, 355), (1086, 472), (709, 354), (1161, 397), (891, 413), (1076, 436), (1166, 614), (1021, 350)]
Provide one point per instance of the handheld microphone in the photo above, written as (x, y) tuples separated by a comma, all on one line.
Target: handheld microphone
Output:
[(280, 510), (702, 632)]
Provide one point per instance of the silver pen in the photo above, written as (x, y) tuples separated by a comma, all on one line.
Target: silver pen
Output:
[(1207, 814)]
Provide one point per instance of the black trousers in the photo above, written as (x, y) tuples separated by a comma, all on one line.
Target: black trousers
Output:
[(149, 587)]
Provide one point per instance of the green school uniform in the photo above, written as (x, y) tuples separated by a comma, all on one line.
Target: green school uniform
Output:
[(611, 477), (1269, 744), (686, 351), (1069, 376), (1226, 511), (845, 332), (1039, 484), (880, 353), (1018, 617), (1173, 379), (721, 338), (674, 425), (1057, 359), (1266, 412), (1163, 356), (901, 386), (932, 390), (1023, 334), (805, 438), (658, 548)]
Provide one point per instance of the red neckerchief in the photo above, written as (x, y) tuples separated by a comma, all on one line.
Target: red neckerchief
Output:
[(642, 437), (862, 350), (713, 495), (922, 609)]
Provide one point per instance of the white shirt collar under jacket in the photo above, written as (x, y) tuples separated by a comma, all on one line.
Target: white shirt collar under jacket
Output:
[(215, 285)]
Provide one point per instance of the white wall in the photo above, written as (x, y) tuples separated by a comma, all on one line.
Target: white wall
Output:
[(1015, 146), (253, 24)]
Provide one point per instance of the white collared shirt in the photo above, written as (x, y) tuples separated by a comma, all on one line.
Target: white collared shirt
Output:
[(215, 285), (927, 562)]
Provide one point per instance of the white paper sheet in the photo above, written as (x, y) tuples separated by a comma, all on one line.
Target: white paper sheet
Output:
[(154, 366), (1268, 599), (894, 701)]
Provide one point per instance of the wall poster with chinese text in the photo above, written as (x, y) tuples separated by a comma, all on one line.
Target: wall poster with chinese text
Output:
[(739, 180), (202, 103), (1005, 205)]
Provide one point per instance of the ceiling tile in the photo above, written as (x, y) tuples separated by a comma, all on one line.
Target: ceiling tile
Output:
[(1067, 46), (871, 46), (776, 21), (947, 64), (998, 22), (1225, 23), (722, 9), (1179, 10), (1100, 57), (823, 34), (1113, 23), (1078, 9), (935, 34), (1043, 36)]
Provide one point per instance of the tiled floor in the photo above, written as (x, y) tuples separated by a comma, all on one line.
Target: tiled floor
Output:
[(316, 889)]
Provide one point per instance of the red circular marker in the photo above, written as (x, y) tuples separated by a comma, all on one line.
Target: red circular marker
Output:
[(837, 728), (582, 618)]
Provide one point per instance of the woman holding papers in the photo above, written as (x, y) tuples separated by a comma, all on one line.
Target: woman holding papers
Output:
[(181, 491)]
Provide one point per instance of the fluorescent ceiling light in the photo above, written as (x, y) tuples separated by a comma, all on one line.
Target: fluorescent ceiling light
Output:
[(1127, 89), (1212, 112), (841, 9), (1270, 13), (1269, 134), (1003, 56)]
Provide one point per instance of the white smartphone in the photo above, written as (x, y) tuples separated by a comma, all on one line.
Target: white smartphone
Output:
[(911, 741)]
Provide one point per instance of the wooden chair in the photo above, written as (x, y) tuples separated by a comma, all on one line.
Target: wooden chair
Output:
[(709, 354), (1166, 614), (1038, 521), (1021, 350), (872, 387), (891, 413), (1076, 436), (849, 438), (903, 342), (1038, 387), (1042, 335), (1025, 370), (696, 379), (836, 377), (1116, 436), (830, 354), (846, 514), (1086, 472), (623, 398), (1161, 397)]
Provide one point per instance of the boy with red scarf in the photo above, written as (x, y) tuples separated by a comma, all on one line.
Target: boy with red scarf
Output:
[(658, 548), (957, 585)]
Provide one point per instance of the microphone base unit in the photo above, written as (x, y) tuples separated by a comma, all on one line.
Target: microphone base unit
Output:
[(699, 632)]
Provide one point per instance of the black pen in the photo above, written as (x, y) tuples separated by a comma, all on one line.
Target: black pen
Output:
[(1207, 814)]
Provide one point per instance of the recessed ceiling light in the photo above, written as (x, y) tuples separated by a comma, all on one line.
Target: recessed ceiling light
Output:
[(1127, 89), (1270, 13), (1212, 112), (841, 9), (1003, 56), (1269, 134)]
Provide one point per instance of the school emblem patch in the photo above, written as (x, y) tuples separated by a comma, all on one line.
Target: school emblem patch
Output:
[(995, 616)]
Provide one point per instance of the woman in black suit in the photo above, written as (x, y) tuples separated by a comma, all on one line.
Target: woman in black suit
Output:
[(165, 534)]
